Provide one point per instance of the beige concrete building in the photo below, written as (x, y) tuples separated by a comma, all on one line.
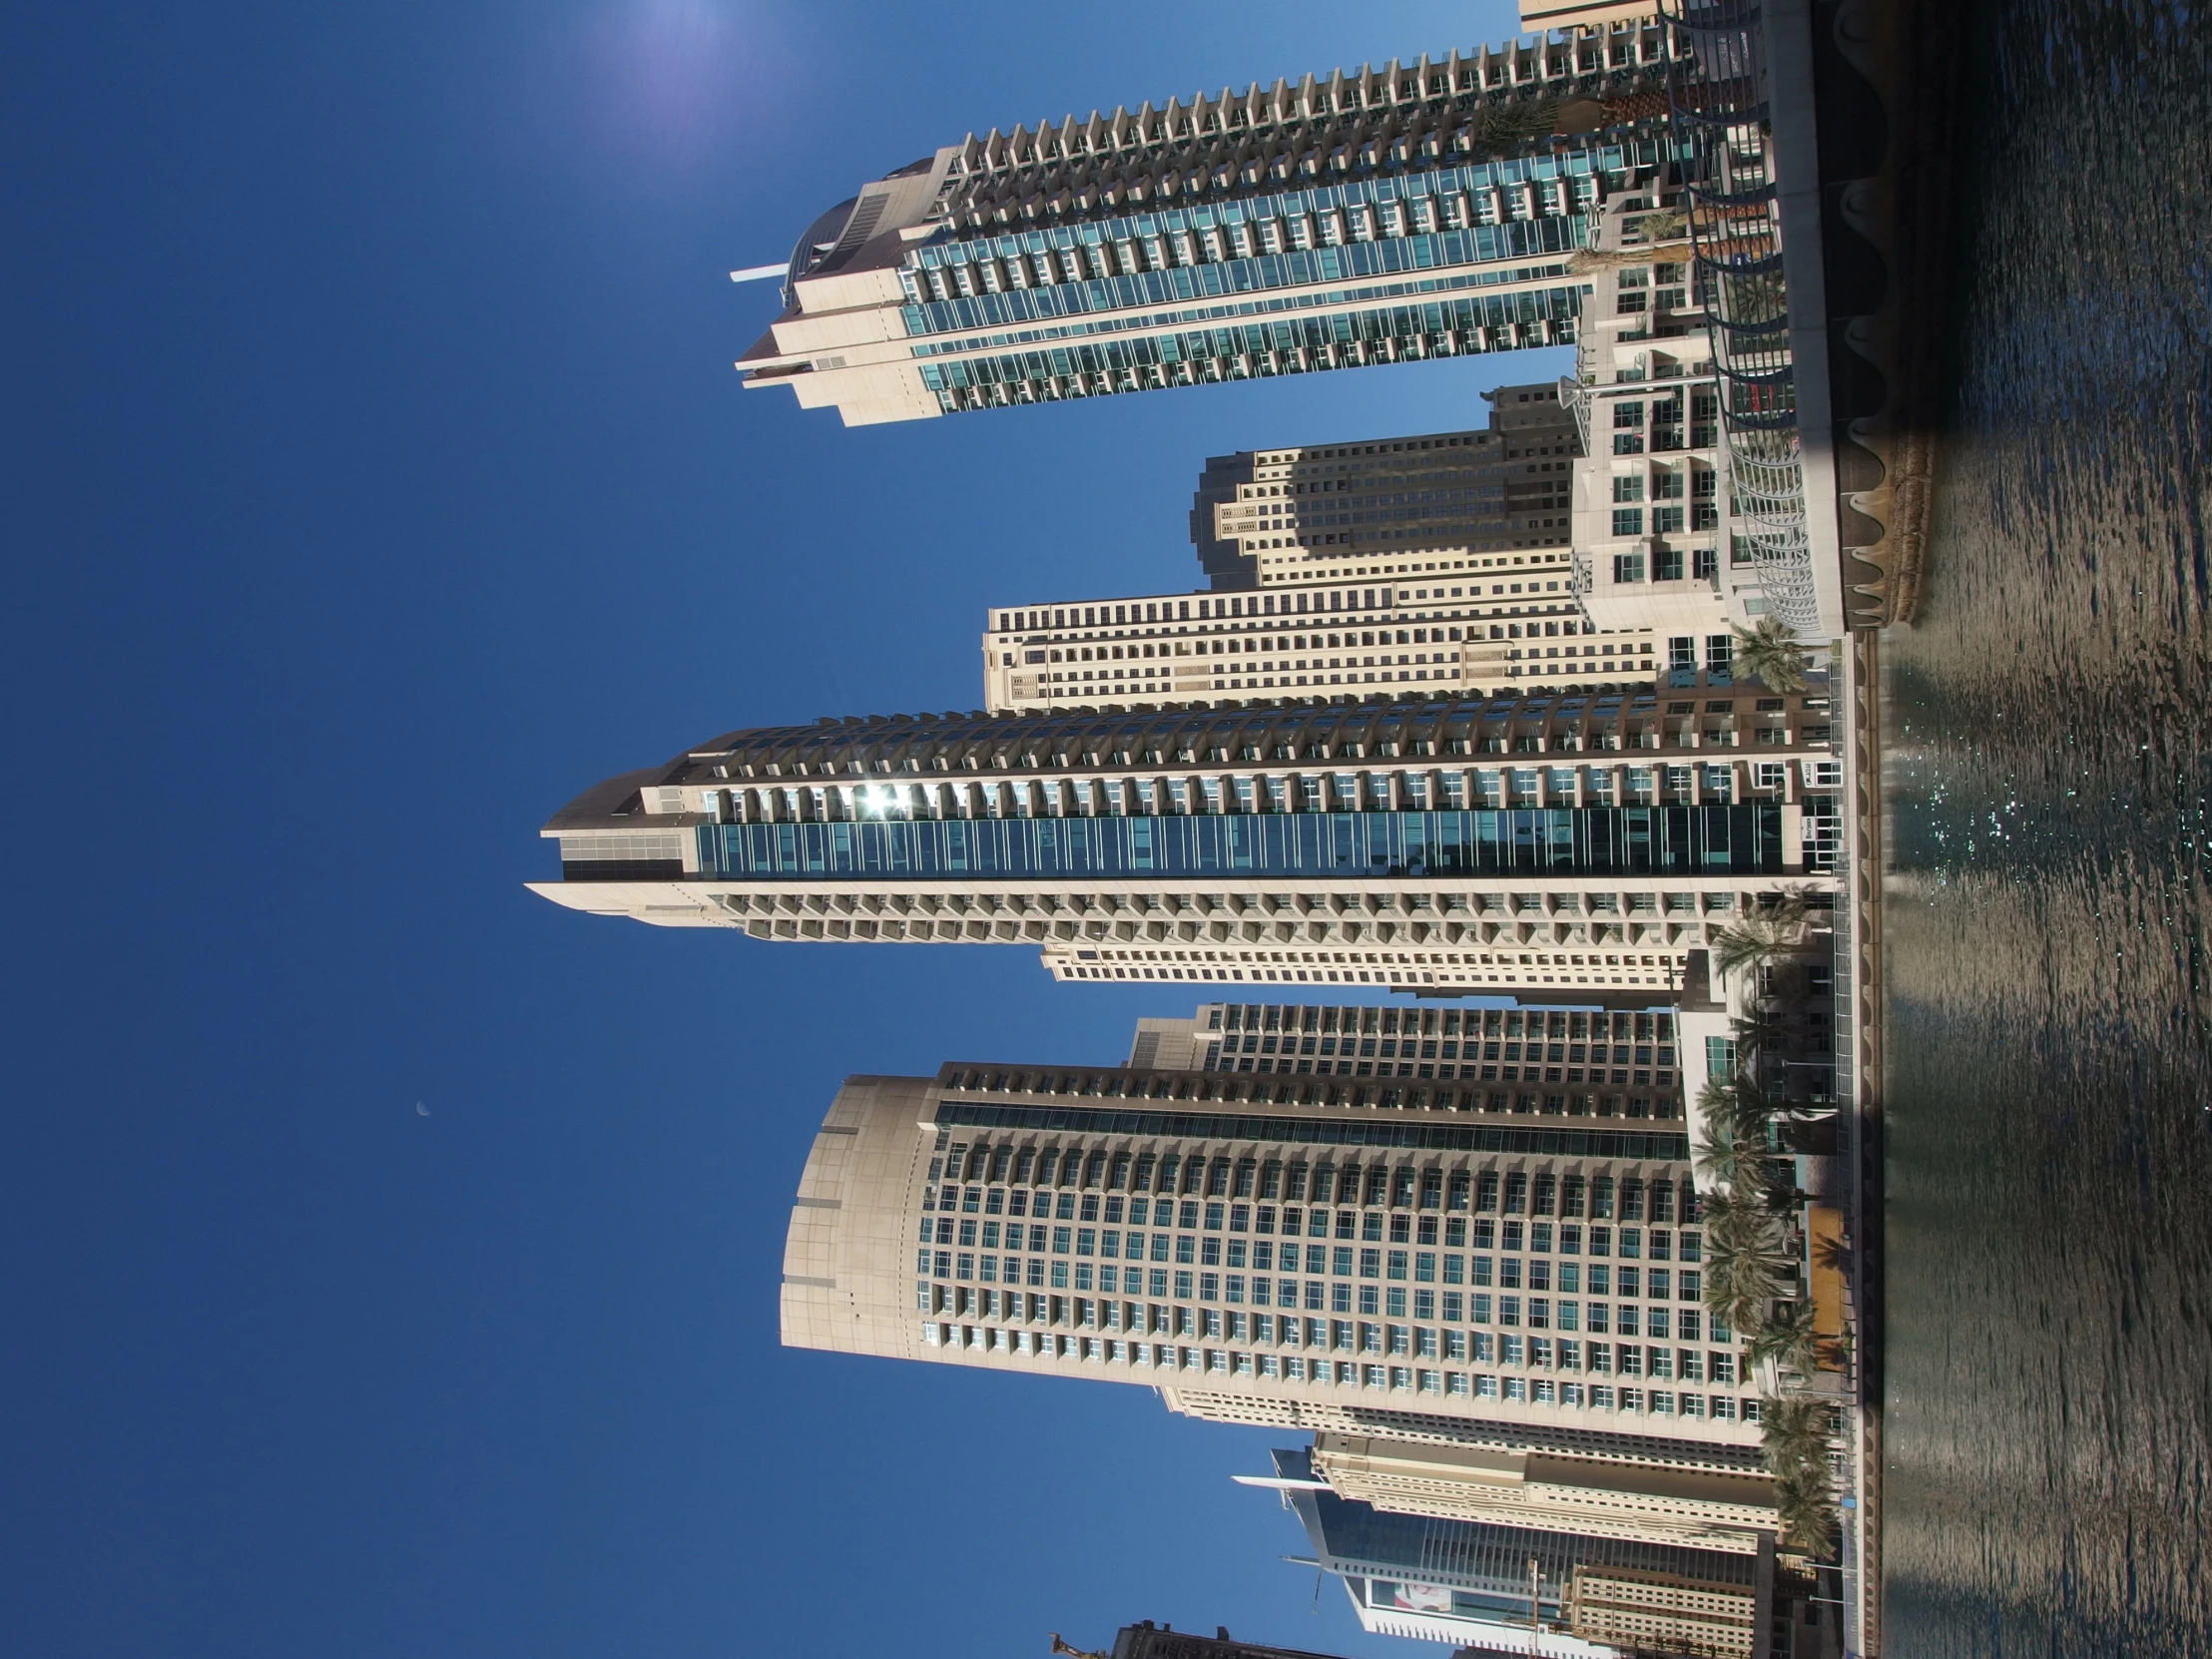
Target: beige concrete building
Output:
[(1643, 1611), (1293, 515), (1584, 842), (1542, 16), (1654, 546), (1549, 1492), (1482, 622), (1592, 517), (1384, 1262), (1386, 215), (1481, 1583), (1470, 530)]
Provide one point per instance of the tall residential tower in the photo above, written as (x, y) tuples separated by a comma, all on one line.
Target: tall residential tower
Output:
[(1435, 841), (1444, 1579), (1371, 1260), (1415, 211), (1305, 512)]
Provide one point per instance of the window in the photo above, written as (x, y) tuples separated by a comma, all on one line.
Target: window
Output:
[(1627, 567)]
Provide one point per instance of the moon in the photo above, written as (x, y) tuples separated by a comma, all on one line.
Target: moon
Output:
[(421, 1111)]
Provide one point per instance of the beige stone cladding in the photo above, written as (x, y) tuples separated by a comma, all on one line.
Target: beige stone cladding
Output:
[(1644, 1611), (1589, 22), (1548, 1491), (846, 1250), (1504, 623), (1654, 504), (1292, 514), (1181, 1231), (1167, 1045), (1653, 1444)]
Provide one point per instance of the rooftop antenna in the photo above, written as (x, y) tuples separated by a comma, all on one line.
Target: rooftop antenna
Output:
[(756, 273)]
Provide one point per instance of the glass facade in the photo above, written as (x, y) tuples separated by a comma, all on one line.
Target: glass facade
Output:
[(1399, 198), (1230, 271), (1434, 322), (1356, 262), (1684, 840)]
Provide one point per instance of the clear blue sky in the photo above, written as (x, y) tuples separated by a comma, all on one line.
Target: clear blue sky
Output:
[(375, 479)]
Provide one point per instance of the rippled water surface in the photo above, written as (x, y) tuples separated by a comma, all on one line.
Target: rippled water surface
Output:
[(2050, 1233)]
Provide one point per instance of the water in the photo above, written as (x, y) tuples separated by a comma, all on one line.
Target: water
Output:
[(2050, 1362)]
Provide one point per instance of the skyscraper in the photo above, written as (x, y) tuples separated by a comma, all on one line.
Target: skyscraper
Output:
[(1478, 517), (1443, 845), (1307, 513), (1373, 1259), (1417, 210), (1441, 1579), (1714, 1510), (1507, 623)]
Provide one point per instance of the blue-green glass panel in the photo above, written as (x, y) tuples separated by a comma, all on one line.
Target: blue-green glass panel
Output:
[(1686, 840)]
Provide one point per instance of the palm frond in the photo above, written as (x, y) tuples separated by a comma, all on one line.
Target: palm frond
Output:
[(1722, 1157), (1770, 653), (1786, 1338)]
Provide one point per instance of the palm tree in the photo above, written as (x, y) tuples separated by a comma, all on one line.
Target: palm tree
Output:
[(1743, 1267), (1747, 943), (1754, 1111), (1755, 1035), (1790, 907), (1786, 1338), (1794, 1432), (1723, 1156), (1716, 1101), (1769, 651), (1790, 985), (1807, 1509), (1504, 126)]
